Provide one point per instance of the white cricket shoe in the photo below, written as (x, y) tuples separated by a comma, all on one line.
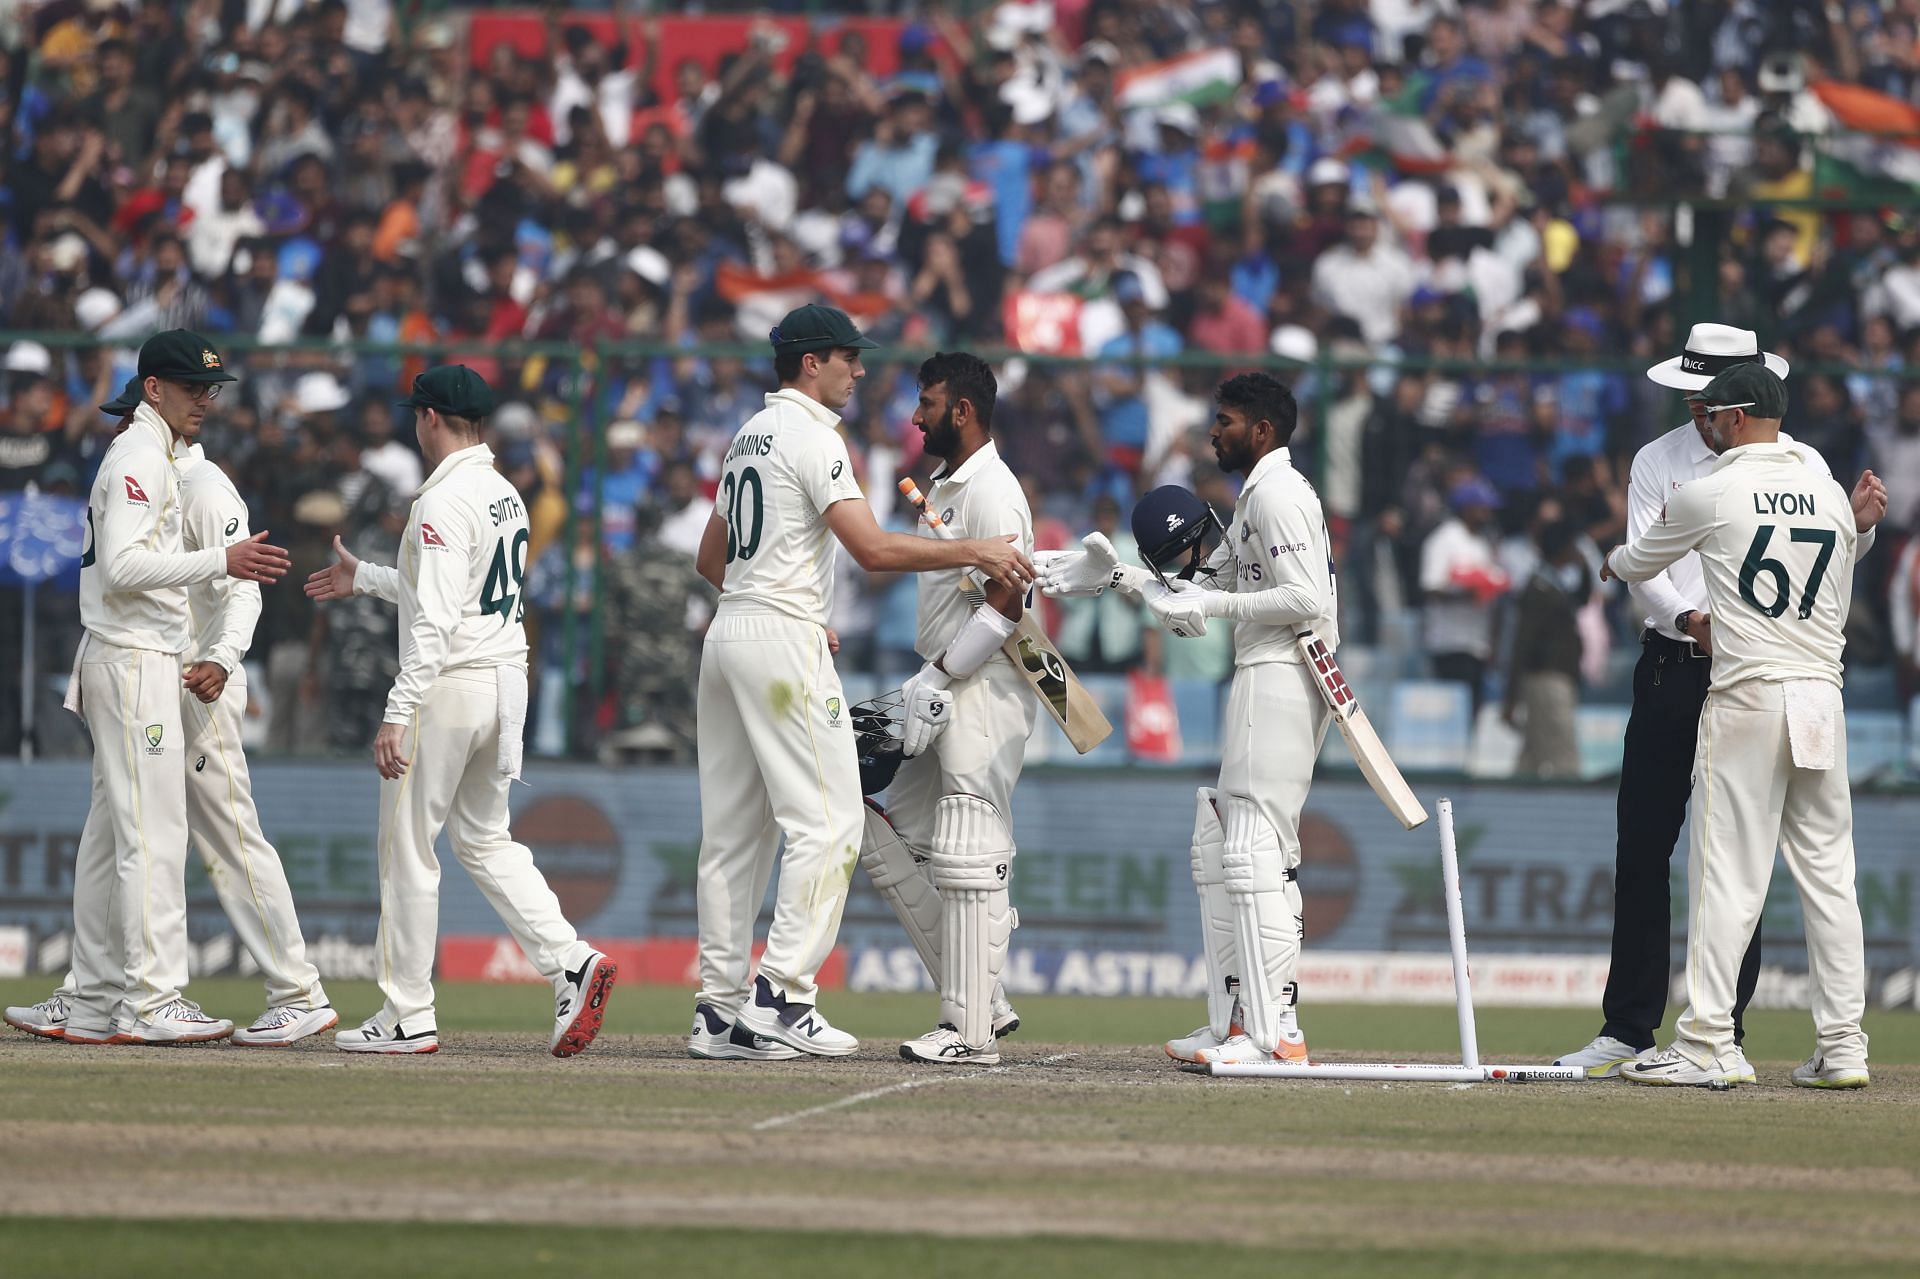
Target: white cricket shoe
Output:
[(1738, 1066), (800, 1026), (1603, 1058), (1814, 1072), (580, 1005), (943, 1046), (377, 1037), (48, 1018), (180, 1022), (1189, 1047), (1240, 1048), (1005, 1020), (1674, 1068), (279, 1027), (714, 1038)]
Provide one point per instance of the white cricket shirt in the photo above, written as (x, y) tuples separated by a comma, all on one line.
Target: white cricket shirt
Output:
[(1276, 559), (1659, 469), (135, 570), (226, 609), (782, 471), (462, 578), (1776, 548), (980, 499)]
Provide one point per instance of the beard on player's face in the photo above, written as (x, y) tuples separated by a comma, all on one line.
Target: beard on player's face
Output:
[(943, 437)]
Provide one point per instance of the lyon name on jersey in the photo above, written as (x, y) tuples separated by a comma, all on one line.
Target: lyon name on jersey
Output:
[(783, 470)]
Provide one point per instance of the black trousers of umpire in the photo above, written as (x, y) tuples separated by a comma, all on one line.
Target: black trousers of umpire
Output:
[(1656, 778)]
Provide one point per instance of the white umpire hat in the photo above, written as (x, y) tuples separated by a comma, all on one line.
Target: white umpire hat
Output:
[(1711, 350)]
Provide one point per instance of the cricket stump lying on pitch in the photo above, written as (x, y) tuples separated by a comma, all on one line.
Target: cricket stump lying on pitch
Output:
[(1470, 1070)]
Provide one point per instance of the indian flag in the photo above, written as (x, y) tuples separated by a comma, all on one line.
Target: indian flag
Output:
[(1395, 133), (1878, 157), (1200, 79)]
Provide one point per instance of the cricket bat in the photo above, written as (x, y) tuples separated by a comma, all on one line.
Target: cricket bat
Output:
[(1375, 764), (1034, 655)]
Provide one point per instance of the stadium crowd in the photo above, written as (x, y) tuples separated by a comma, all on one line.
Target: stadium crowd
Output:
[(1404, 200)]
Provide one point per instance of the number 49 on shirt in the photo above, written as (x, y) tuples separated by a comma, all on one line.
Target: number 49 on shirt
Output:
[(506, 580)]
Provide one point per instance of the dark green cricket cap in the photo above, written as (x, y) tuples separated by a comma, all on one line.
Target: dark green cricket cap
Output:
[(818, 328), (452, 388), (127, 401), (181, 355), (1753, 387)]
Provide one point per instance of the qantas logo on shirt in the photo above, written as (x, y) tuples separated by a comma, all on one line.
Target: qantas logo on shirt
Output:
[(428, 537), (134, 492)]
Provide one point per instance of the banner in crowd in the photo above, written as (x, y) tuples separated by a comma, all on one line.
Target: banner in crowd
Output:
[(41, 536), (1101, 882)]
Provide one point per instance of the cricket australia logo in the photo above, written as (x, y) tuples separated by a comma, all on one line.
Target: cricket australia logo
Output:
[(833, 712), (154, 733)]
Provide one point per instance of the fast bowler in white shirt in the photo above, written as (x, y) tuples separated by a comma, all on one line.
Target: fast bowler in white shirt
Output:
[(1669, 688), (1776, 546), (775, 734), (451, 740)]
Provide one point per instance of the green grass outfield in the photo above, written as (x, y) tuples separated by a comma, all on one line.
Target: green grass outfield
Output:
[(1085, 1154)]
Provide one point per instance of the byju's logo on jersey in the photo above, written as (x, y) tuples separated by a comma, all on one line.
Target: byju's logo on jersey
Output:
[(134, 492), (154, 733), (428, 537), (833, 712)]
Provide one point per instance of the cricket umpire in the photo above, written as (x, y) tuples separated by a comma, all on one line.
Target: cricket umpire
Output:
[(1669, 688)]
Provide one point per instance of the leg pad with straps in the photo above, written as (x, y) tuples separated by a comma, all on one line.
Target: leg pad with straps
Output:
[(1265, 899), (905, 884), (1208, 854), (971, 855)]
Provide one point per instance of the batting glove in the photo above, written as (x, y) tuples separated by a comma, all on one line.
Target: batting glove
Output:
[(927, 705), (1180, 607), (1088, 571)]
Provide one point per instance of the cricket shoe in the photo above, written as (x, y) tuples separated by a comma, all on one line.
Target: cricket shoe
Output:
[(1675, 1069), (1603, 1058), (279, 1027), (943, 1046), (1814, 1072), (48, 1018), (714, 1038), (180, 1022), (1005, 1020), (801, 1026), (581, 1004), (1187, 1048), (1241, 1049), (392, 1041), (1737, 1065)]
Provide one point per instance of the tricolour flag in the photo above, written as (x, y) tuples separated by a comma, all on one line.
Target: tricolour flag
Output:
[(1201, 79)]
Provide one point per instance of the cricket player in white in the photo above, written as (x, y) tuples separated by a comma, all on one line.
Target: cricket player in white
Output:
[(134, 580), (952, 801), (775, 737), (221, 819), (1272, 575), (451, 739), (1776, 546)]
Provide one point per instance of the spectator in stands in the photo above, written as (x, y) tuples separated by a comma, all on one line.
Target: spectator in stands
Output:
[(1543, 671), (1461, 580), (1365, 278)]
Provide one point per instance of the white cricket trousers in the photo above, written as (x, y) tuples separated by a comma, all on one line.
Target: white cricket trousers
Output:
[(1749, 798), (244, 868), (776, 754), (130, 889), (455, 784), (1269, 741)]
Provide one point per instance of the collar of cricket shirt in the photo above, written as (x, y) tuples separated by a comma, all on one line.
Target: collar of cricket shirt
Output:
[(1781, 451), (805, 403), (968, 469), (1266, 466), (472, 455), (145, 415)]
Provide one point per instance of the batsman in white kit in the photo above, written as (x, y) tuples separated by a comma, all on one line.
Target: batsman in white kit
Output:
[(222, 821), (1272, 576), (775, 735), (451, 739), (941, 852), (1777, 545), (130, 960)]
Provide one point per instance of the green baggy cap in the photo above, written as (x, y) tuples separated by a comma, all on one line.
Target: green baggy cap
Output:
[(181, 355), (1753, 387), (452, 388), (127, 401), (818, 328)]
